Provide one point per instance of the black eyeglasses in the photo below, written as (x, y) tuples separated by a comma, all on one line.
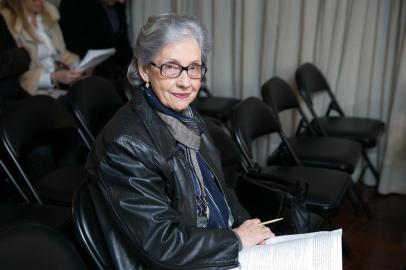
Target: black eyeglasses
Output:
[(172, 70)]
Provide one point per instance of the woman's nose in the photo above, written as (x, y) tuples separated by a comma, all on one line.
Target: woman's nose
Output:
[(184, 79)]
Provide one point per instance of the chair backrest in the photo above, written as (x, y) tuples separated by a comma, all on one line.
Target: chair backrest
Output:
[(34, 117), (37, 247), (40, 135), (251, 119), (88, 228), (279, 95), (310, 80), (95, 100)]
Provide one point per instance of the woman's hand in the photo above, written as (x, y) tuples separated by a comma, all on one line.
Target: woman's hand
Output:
[(66, 76), (251, 233), (88, 71)]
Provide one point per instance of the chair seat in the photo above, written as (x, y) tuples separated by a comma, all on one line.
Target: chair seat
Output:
[(54, 216), (216, 107), (326, 187), (59, 185), (327, 152), (364, 130)]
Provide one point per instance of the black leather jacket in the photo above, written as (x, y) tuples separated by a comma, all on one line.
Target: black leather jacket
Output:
[(145, 199)]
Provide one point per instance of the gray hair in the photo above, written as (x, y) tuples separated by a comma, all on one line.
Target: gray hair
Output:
[(162, 30)]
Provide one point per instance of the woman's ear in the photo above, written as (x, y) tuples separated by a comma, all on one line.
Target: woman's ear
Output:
[(143, 71)]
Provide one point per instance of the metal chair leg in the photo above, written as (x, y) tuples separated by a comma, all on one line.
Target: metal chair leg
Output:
[(358, 202), (371, 166)]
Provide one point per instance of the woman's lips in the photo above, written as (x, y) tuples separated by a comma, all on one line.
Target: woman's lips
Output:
[(181, 95)]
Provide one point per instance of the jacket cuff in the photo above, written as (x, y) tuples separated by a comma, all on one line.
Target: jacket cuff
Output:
[(239, 241)]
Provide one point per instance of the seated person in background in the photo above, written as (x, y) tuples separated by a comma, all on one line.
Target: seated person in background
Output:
[(97, 24), (34, 25), (14, 61), (155, 174)]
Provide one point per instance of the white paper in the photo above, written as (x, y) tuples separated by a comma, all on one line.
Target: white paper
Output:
[(95, 57), (311, 251)]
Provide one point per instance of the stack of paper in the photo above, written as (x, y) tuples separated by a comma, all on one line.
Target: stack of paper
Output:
[(311, 251)]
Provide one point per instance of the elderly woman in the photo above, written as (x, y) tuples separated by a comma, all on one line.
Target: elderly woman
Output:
[(34, 25), (155, 171)]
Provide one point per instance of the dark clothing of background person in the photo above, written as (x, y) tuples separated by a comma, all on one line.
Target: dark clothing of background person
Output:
[(86, 24), (143, 195), (13, 62)]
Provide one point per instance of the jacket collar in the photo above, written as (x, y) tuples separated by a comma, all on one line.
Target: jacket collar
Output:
[(159, 129), (180, 132), (154, 125)]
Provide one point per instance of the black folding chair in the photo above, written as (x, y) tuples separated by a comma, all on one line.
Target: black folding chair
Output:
[(367, 131), (95, 100), (47, 148), (252, 118), (312, 150), (263, 197)]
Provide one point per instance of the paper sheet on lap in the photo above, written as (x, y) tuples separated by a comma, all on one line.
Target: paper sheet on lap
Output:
[(310, 251)]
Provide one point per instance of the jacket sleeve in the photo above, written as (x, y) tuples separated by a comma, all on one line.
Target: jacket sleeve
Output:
[(14, 62), (136, 194)]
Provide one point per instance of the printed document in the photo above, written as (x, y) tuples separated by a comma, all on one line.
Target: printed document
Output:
[(95, 57), (310, 251)]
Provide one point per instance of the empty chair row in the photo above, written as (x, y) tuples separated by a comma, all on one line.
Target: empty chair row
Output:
[(251, 119), (311, 82), (311, 148)]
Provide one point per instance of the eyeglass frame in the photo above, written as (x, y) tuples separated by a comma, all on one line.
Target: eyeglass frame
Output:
[(182, 68)]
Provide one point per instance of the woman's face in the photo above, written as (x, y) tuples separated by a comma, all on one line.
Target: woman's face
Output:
[(174, 93), (33, 6)]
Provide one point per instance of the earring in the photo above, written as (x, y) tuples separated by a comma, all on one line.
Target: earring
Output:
[(147, 84)]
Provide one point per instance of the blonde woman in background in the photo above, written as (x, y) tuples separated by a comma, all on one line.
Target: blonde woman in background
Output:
[(34, 25)]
